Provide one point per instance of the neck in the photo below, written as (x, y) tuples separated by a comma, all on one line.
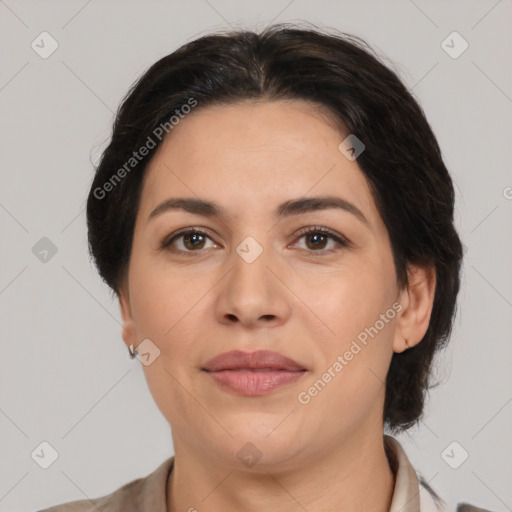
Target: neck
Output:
[(355, 477)]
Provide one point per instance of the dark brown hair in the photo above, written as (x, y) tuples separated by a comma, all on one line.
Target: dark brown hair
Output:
[(402, 161)]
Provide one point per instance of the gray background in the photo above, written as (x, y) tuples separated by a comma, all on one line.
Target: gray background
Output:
[(65, 374)]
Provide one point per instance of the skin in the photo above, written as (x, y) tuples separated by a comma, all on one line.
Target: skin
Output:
[(296, 298)]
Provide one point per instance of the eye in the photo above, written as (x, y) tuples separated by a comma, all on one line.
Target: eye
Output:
[(316, 238), (189, 240)]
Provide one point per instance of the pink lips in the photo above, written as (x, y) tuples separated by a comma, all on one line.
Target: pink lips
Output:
[(253, 373)]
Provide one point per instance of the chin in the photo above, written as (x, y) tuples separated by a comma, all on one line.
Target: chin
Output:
[(261, 447)]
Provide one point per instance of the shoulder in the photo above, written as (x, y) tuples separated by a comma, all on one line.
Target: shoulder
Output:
[(142, 494), (121, 499), (431, 502), (466, 507)]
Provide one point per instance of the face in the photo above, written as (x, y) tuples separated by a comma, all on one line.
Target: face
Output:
[(316, 285)]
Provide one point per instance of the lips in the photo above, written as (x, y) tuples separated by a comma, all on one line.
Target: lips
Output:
[(253, 373), (260, 360)]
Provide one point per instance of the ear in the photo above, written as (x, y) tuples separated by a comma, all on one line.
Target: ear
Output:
[(129, 327), (417, 300)]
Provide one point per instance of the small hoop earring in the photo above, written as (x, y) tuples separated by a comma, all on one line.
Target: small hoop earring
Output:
[(406, 344), (132, 351)]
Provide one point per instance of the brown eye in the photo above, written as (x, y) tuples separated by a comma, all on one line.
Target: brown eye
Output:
[(317, 239), (189, 240)]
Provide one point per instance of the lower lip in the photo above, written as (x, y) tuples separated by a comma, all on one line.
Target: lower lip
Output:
[(254, 383)]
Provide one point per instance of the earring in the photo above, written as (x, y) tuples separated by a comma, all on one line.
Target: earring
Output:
[(132, 351), (406, 344)]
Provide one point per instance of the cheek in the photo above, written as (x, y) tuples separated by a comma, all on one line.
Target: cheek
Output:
[(355, 342), (351, 376), (168, 395), (164, 298), (346, 300)]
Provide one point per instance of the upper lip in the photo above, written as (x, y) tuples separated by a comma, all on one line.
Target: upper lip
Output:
[(238, 360)]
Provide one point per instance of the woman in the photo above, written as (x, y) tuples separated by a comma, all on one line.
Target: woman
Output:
[(275, 217)]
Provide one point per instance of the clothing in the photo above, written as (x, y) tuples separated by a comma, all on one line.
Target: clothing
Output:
[(149, 494)]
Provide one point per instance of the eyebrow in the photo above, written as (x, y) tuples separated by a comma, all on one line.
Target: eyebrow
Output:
[(286, 209)]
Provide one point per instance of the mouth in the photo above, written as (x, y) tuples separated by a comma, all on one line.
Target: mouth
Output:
[(253, 373)]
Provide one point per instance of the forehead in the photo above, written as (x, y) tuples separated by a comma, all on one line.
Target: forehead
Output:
[(251, 156)]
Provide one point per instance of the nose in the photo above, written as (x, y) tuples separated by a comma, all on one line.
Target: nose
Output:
[(254, 292)]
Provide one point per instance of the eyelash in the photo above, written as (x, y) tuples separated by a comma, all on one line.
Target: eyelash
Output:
[(340, 240)]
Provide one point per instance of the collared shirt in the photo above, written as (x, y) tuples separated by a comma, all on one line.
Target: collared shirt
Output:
[(149, 494)]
